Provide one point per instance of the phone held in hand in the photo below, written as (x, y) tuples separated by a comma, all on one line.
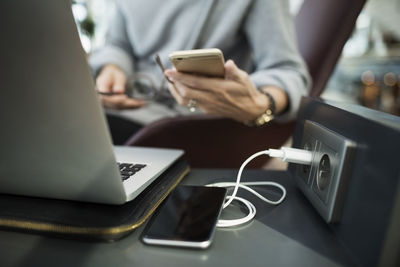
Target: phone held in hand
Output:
[(207, 62), (187, 218)]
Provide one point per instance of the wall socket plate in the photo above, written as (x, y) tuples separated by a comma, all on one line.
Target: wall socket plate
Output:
[(325, 182)]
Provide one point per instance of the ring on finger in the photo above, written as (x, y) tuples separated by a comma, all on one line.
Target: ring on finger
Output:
[(192, 105)]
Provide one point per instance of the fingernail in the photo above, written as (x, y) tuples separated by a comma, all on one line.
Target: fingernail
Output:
[(118, 89), (231, 62)]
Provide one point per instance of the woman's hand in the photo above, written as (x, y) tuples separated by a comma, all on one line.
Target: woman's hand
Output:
[(111, 84), (235, 96)]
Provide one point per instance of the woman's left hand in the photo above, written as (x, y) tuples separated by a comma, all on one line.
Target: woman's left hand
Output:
[(234, 96)]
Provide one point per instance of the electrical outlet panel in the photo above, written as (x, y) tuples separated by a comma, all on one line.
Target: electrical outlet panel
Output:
[(324, 182)]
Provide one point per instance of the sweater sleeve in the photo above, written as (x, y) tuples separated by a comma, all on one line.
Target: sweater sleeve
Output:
[(117, 48), (270, 31)]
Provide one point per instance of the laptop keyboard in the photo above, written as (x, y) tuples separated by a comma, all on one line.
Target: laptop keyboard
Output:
[(129, 169)]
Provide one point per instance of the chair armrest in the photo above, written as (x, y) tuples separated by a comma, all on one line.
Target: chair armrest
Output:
[(199, 134)]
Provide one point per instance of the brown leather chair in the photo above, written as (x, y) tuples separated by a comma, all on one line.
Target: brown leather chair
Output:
[(322, 27)]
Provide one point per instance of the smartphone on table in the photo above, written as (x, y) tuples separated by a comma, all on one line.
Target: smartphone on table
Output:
[(187, 218), (207, 62)]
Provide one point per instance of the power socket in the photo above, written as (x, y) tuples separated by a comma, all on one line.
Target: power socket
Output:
[(324, 182)]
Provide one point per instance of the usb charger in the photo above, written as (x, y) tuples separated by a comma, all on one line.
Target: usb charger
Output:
[(287, 154)]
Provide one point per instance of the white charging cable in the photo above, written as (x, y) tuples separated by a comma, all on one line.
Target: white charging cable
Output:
[(293, 155)]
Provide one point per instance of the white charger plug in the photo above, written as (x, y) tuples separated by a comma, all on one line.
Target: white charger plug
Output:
[(293, 155), (287, 154)]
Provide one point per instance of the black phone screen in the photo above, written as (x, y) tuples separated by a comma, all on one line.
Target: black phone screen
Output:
[(186, 218)]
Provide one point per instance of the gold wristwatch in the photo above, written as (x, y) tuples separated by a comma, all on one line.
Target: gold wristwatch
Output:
[(268, 115)]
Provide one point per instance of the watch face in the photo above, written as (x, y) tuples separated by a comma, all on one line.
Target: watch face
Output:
[(264, 118), (269, 113)]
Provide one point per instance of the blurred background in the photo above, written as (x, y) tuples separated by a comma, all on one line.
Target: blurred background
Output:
[(368, 72)]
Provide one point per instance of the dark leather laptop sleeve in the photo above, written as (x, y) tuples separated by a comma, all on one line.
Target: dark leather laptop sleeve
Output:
[(89, 221)]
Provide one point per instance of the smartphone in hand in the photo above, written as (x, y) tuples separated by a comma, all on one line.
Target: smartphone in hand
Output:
[(187, 218), (207, 62)]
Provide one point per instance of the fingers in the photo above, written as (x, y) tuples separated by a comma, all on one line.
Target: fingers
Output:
[(104, 83), (121, 102), (187, 87), (205, 90), (111, 79), (232, 72), (175, 94), (119, 84), (183, 94), (235, 96), (195, 81)]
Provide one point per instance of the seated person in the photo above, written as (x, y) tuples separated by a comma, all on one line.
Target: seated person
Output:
[(263, 69)]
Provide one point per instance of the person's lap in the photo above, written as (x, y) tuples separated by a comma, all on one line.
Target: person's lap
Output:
[(125, 123), (121, 128)]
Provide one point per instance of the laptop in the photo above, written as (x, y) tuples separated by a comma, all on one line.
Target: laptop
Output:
[(54, 139)]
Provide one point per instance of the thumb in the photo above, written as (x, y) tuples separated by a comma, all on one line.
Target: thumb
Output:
[(232, 72), (119, 83)]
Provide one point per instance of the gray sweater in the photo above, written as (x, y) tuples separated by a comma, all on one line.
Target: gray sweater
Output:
[(257, 34)]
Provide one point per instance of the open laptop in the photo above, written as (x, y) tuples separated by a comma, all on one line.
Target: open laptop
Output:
[(54, 140)]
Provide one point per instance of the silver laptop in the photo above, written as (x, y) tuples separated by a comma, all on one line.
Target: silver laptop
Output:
[(54, 140)]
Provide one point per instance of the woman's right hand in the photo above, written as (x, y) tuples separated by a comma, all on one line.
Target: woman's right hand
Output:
[(112, 80)]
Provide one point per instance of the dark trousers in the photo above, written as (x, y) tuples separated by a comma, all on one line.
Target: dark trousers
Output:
[(121, 128)]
